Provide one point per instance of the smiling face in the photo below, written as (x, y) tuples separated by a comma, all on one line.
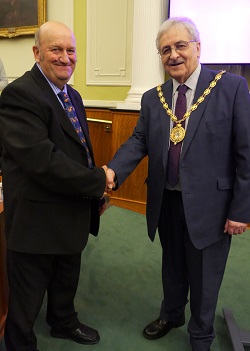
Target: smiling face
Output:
[(56, 52), (179, 64)]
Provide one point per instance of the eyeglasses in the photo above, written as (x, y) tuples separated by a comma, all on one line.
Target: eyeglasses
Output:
[(180, 46)]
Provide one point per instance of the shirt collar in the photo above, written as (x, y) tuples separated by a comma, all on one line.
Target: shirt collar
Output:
[(53, 86), (191, 82)]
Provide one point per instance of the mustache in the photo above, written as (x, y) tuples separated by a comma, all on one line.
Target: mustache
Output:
[(63, 63), (174, 63)]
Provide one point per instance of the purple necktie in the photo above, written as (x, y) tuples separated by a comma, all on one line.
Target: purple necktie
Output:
[(71, 113), (174, 150)]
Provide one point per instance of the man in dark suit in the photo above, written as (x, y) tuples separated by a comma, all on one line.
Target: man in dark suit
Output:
[(51, 192), (200, 196)]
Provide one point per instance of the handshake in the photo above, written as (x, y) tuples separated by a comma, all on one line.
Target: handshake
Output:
[(110, 179)]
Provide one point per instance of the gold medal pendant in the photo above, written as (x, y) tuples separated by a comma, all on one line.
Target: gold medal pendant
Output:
[(177, 134)]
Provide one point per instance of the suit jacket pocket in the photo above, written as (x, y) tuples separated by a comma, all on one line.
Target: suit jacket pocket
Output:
[(224, 183)]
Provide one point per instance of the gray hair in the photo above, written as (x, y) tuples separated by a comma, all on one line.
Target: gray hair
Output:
[(183, 22), (37, 37)]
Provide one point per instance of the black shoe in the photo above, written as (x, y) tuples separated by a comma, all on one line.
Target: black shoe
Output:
[(82, 335), (159, 328)]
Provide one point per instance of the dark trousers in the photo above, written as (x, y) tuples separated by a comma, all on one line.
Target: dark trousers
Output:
[(30, 276), (186, 269)]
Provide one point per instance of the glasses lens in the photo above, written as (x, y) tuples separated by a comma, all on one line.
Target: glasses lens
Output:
[(166, 51), (181, 46)]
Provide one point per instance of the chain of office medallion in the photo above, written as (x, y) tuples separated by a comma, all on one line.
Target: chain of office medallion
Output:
[(194, 106)]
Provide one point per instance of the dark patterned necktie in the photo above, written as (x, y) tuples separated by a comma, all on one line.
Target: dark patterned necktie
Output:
[(174, 150), (71, 113)]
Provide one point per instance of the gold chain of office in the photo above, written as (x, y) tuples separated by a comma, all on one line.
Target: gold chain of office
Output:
[(178, 133)]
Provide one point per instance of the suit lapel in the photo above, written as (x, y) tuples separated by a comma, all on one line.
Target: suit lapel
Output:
[(167, 89), (59, 112), (63, 118), (81, 115), (195, 117)]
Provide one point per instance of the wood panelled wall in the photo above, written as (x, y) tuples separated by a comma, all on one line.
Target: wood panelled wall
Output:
[(108, 130)]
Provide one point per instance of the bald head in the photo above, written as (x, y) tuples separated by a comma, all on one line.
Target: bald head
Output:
[(55, 51), (51, 27)]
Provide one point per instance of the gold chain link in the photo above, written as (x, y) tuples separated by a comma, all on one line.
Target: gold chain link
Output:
[(194, 106)]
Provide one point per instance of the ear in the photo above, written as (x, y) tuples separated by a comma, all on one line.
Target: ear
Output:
[(198, 47), (36, 53)]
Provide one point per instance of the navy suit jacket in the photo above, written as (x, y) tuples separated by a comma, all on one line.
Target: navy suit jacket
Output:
[(51, 198), (215, 159)]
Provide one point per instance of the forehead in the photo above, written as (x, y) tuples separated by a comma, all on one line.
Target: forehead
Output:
[(62, 38), (173, 35)]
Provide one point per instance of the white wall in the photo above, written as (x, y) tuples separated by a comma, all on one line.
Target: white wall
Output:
[(110, 24)]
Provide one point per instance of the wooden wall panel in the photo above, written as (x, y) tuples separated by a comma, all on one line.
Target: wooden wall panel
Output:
[(100, 135), (132, 194)]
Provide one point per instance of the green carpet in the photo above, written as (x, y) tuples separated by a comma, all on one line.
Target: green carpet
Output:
[(120, 290)]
